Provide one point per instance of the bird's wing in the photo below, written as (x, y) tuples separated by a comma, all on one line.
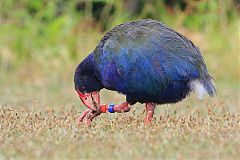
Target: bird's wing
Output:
[(146, 59)]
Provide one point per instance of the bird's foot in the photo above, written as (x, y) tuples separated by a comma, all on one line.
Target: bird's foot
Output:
[(90, 115), (83, 115), (150, 111)]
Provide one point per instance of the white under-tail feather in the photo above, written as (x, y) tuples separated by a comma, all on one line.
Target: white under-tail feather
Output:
[(198, 88)]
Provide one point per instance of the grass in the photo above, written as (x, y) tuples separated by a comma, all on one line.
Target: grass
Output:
[(44, 127), (39, 107), (55, 135)]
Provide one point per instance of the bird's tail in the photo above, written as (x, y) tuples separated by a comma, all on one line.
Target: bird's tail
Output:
[(208, 84), (203, 86)]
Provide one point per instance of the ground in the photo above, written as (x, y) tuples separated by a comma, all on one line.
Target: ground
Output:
[(41, 124), (40, 49)]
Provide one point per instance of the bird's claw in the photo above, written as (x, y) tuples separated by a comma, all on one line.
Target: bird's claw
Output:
[(90, 115), (83, 115)]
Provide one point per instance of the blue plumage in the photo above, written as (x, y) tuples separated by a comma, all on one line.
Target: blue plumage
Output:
[(146, 61)]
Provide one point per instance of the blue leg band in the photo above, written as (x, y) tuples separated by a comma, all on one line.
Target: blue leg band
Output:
[(110, 108)]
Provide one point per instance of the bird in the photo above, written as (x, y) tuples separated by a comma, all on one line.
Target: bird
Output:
[(146, 61)]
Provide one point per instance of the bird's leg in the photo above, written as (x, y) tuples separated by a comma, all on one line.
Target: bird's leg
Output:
[(91, 114), (150, 111), (123, 107), (83, 115), (111, 108)]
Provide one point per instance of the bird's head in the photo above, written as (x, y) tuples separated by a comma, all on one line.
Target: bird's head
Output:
[(88, 91), (87, 85)]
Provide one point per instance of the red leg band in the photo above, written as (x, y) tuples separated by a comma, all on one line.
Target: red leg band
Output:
[(103, 108)]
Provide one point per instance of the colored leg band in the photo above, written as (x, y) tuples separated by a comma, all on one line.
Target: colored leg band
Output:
[(111, 108), (103, 108)]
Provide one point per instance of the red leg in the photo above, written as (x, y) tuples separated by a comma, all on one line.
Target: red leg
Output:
[(90, 116), (150, 111), (123, 107), (83, 115)]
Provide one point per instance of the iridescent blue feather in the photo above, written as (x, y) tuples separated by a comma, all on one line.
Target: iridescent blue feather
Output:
[(149, 62)]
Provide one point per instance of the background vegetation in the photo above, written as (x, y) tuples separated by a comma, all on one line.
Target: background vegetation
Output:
[(41, 43)]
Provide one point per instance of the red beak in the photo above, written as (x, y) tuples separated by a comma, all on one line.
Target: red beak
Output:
[(90, 100)]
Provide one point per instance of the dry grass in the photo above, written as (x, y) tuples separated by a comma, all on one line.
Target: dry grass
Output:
[(210, 132), (39, 108)]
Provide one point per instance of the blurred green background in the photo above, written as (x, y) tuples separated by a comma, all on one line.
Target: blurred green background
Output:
[(42, 41)]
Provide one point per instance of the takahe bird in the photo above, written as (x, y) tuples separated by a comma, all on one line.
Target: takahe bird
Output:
[(146, 61)]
